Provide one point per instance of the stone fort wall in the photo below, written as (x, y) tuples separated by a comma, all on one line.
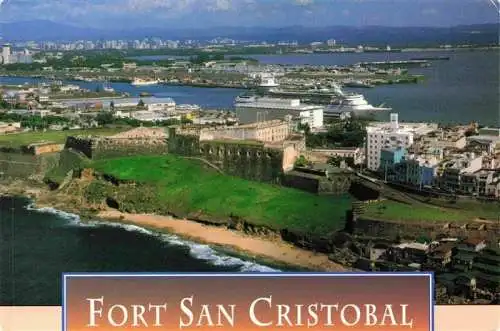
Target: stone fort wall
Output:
[(109, 147), (249, 160), (23, 165)]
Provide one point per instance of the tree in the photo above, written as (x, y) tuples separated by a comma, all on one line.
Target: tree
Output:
[(335, 161), (218, 57), (304, 127), (350, 161), (200, 59), (301, 161), (104, 118), (141, 104), (112, 105)]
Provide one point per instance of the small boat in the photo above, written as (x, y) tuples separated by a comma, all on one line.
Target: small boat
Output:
[(106, 87), (145, 94)]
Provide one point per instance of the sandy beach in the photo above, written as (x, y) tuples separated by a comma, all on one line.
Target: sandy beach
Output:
[(252, 246)]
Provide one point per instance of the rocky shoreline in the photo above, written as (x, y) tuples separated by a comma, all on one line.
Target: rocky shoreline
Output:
[(259, 245)]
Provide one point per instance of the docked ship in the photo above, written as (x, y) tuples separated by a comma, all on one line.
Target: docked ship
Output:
[(351, 103), (357, 84), (143, 82)]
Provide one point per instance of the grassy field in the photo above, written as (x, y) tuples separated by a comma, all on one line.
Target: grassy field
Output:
[(459, 212), (26, 138), (187, 183)]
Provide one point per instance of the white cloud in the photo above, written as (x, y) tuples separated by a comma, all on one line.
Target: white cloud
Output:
[(219, 5), (304, 2)]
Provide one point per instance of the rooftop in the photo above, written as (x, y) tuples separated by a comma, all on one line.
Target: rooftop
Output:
[(413, 245), (264, 124), (402, 127), (237, 141), (473, 241), (276, 103), (484, 138)]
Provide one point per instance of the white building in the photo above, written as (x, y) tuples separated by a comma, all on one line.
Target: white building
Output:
[(386, 137), (313, 118), (487, 140), (149, 116), (457, 172), (6, 54), (260, 109), (69, 88), (43, 98), (391, 135)]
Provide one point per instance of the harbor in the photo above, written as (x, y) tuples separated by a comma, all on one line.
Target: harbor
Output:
[(466, 71)]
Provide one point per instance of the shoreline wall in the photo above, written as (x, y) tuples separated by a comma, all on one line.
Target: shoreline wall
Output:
[(390, 229)]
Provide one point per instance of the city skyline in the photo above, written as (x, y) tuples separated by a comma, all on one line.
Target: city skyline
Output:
[(182, 14)]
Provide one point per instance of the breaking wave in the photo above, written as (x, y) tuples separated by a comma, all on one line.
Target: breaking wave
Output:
[(198, 251)]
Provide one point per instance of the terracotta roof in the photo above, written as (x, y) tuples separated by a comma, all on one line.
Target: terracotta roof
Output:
[(473, 241)]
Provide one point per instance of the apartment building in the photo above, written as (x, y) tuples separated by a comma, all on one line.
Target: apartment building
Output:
[(441, 139), (487, 140), (456, 172), (391, 136), (400, 167)]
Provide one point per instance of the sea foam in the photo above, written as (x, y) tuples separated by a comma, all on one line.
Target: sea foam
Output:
[(198, 251)]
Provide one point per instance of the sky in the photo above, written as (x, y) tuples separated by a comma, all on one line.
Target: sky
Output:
[(129, 14)]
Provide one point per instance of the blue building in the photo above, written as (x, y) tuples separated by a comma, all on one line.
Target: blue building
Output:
[(390, 157), (397, 166)]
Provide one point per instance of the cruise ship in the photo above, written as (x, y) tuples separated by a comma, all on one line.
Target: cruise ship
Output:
[(353, 103), (142, 82)]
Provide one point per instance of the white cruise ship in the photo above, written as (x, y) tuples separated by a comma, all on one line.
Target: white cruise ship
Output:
[(353, 103), (142, 82)]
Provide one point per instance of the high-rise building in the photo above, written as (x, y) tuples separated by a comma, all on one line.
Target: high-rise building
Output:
[(6, 54), (385, 137), (331, 42), (391, 136)]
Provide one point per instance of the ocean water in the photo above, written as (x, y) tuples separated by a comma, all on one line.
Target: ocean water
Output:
[(38, 245), (466, 88)]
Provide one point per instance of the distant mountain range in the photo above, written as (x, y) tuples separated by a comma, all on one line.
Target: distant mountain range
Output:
[(376, 35)]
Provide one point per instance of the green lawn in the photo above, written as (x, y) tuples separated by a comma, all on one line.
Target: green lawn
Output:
[(26, 138), (187, 183), (463, 212)]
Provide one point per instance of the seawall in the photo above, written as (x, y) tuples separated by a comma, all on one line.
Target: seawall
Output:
[(412, 230)]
